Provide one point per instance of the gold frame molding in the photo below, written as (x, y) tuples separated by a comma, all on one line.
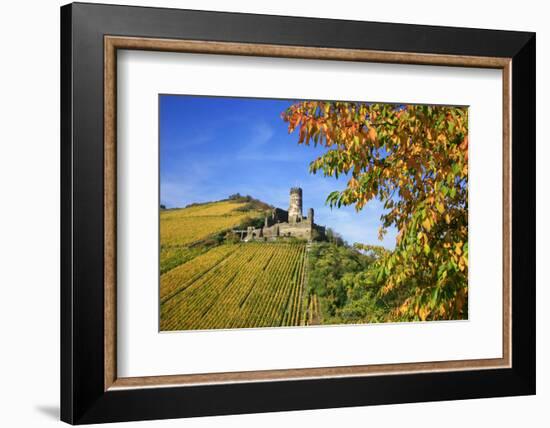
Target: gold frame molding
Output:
[(113, 43)]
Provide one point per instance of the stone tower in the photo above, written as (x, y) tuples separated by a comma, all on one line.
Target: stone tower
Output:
[(295, 207), (310, 216)]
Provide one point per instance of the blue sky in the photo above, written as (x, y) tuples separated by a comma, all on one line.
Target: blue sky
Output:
[(211, 147)]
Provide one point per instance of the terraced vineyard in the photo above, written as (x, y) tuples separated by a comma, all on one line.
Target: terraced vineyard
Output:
[(235, 286)]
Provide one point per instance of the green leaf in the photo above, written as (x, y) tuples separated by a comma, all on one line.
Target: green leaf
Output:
[(453, 192), (455, 168), (433, 300)]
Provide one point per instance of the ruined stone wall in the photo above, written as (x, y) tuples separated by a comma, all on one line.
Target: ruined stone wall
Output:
[(303, 230), (310, 216)]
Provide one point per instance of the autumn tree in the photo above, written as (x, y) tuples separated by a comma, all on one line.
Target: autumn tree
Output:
[(414, 159)]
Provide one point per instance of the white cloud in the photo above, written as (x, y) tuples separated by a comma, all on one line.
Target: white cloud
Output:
[(190, 184), (261, 134)]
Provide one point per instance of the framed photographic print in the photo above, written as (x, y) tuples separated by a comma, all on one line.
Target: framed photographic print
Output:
[(266, 213)]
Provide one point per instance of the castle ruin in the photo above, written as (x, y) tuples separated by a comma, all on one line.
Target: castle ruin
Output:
[(280, 223)]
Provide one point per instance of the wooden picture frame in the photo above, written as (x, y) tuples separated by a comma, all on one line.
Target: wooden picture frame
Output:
[(91, 390)]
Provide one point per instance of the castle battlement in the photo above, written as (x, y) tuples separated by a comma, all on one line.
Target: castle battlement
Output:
[(292, 223)]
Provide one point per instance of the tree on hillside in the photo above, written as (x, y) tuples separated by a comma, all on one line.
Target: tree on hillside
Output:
[(414, 159), (334, 237)]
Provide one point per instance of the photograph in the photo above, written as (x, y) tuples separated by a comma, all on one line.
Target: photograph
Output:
[(298, 213), (279, 210)]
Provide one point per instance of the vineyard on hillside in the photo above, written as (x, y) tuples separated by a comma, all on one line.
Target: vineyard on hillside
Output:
[(236, 286), (184, 231), (209, 279), (186, 225)]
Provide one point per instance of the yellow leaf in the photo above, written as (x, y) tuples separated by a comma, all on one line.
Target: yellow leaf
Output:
[(426, 249), (427, 224), (372, 134), (423, 313), (440, 207)]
